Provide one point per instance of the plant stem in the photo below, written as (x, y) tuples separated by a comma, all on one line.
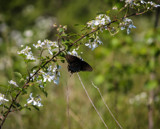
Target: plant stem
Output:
[(83, 36), (92, 102)]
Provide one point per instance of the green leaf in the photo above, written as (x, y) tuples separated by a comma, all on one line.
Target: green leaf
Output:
[(35, 67), (5, 106), (99, 79), (151, 84), (18, 75), (61, 30), (22, 81), (28, 108), (43, 91), (76, 24), (108, 12), (35, 107), (24, 91), (13, 94), (17, 105), (63, 61), (63, 35)]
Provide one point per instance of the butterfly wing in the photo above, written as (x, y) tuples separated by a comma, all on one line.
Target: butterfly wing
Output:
[(75, 64), (85, 66), (71, 59)]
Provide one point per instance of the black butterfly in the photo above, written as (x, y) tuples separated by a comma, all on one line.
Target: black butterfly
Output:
[(75, 64)]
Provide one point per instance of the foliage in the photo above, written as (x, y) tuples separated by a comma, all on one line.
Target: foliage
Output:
[(126, 66)]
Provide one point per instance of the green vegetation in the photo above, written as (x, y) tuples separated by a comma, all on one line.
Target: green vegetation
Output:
[(125, 67)]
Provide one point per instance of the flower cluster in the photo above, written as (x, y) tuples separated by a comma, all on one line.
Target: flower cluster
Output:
[(3, 99), (27, 53), (13, 83), (74, 52), (132, 3), (100, 21), (47, 45), (50, 74), (152, 4), (34, 101), (127, 23), (93, 43)]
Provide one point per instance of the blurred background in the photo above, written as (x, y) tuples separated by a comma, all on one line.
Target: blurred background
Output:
[(126, 67)]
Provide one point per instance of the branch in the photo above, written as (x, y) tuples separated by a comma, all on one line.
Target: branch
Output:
[(25, 85), (83, 36)]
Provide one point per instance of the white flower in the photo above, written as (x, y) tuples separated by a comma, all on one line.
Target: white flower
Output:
[(143, 2), (100, 21), (34, 101), (153, 4), (51, 43), (157, 5), (39, 44), (30, 56), (122, 28), (51, 46), (47, 44), (48, 76), (127, 23), (65, 27), (103, 21), (13, 83), (26, 51), (52, 74), (50, 68), (56, 68), (115, 8), (41, 86), (2, 99), (73, 52), (94, 44), (56, 81), (97, 22), (129, 1)]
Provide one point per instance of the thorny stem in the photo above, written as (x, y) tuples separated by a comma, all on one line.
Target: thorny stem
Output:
[(83, 36)]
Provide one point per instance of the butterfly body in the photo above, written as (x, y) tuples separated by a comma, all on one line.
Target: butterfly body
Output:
[(76, 64)]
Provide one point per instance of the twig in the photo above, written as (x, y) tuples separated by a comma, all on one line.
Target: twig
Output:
[(92, 101), (83, 36), (107, 106), (24, 86)]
